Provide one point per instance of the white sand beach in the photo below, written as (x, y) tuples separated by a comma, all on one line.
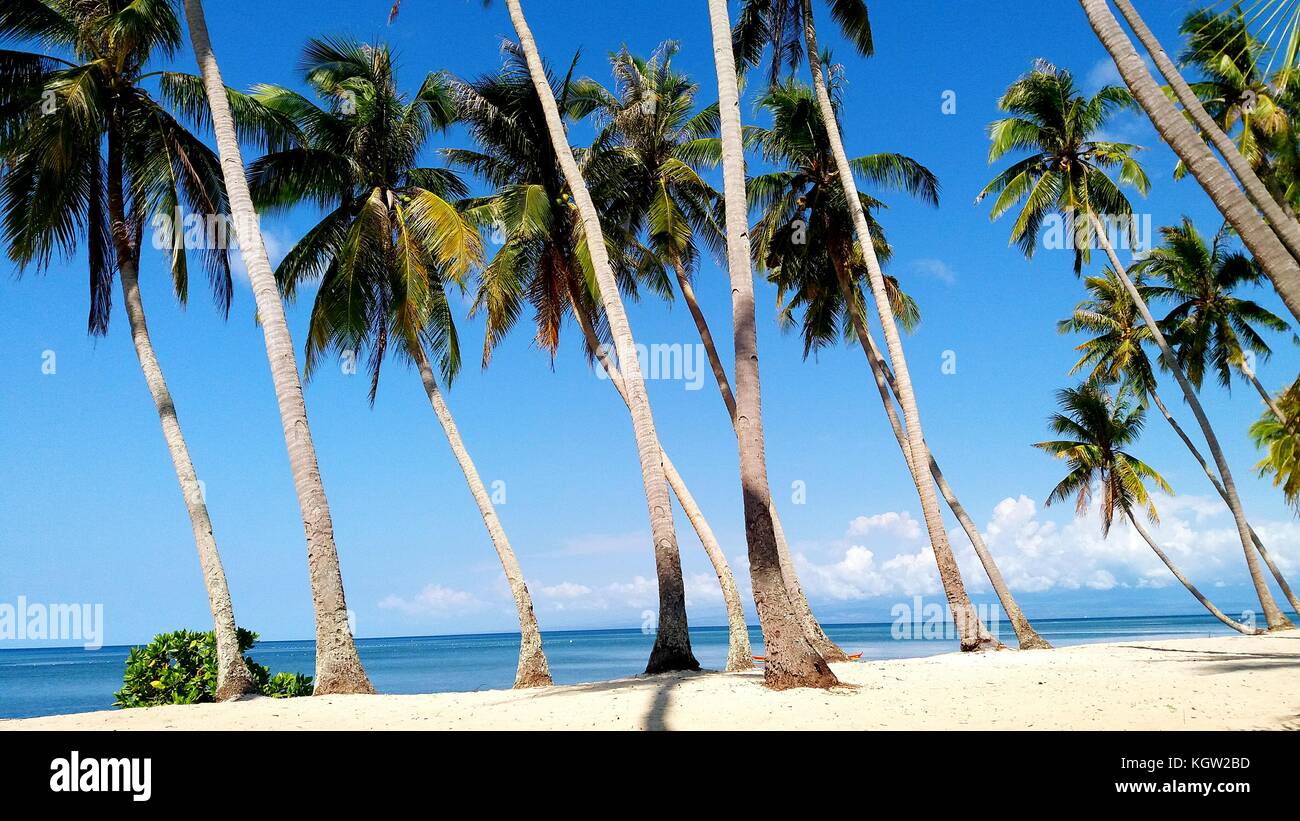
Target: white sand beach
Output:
[(1204, 684)]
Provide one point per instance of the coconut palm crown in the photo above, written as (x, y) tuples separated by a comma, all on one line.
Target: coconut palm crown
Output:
[(1067, 169)]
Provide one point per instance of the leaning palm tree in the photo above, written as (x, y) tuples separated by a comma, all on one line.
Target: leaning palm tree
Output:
[(789, 27), (542, 261), (657, 146), (1237, 92), (792, 661), (545, 262), (338, 667), (389, 247), (804, 238), (1221, 41), (1097, 427), (649, 155), (1116, 353), (672, 648), (1065, 174), (85, 146), (1209, 326), (1275, 243)]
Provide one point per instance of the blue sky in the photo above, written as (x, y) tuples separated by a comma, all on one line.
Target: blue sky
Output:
[(89, 503)]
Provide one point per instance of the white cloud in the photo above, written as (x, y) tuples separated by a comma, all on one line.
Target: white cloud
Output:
[(935, 269), (703, 588), (1036, 554), (434, 598), (640, 592), (1102, 73), (900, 525), (566, 590)]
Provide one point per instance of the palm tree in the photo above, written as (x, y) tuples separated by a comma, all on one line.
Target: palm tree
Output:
[(1279, 260), (1064, 174), (781, 23), (85, 146), (1208, 324), (1116, 353), (338, 667), (672, 649), (388, 248), (545, 260), (1281, 442), (542, 260), (1237, 92), (1098, 427), (656, 145), (791, 661), (804, 237), (648, 154)]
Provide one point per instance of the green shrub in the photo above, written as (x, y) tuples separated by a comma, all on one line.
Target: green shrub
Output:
[(181, 668)]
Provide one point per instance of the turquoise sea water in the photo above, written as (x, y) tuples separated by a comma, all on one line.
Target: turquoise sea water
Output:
[(48, 681)]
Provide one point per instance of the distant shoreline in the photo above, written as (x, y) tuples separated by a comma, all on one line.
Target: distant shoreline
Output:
[(1227, 683), (753, 629)]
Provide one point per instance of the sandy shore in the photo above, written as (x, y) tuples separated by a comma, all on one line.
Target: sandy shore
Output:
[(1220, 683)]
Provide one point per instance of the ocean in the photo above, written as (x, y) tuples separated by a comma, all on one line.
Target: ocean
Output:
[(48, 681)]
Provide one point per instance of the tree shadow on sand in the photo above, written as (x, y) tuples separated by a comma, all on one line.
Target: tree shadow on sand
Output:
[(1223, 661)]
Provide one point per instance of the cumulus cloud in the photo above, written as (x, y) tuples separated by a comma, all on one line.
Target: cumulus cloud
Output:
[(566, 590), (888, 554), (434, 598), (901, 525)]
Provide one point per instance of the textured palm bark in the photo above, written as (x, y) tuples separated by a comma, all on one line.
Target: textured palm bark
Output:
[(233, 678), (790, 660), (1277, 261), (1273, 615), (672, 647), (1026, 636), (971, 632), (1283, 223), (338, 667), (828, 649), (1191, 588), (1218, 486), (533, 669), (739, 654)]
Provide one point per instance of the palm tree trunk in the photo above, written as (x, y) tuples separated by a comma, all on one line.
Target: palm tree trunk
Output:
[(1273, 615), (338, 667), (1267, 397), (1191, 588), (1026, 636), (672, 647), (1278, 262), (233, 678), (970, 630), (533, 670), (791, 660), (706, 337), (828, 649), (739, 653), (1218, 486), (1288, 230)]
